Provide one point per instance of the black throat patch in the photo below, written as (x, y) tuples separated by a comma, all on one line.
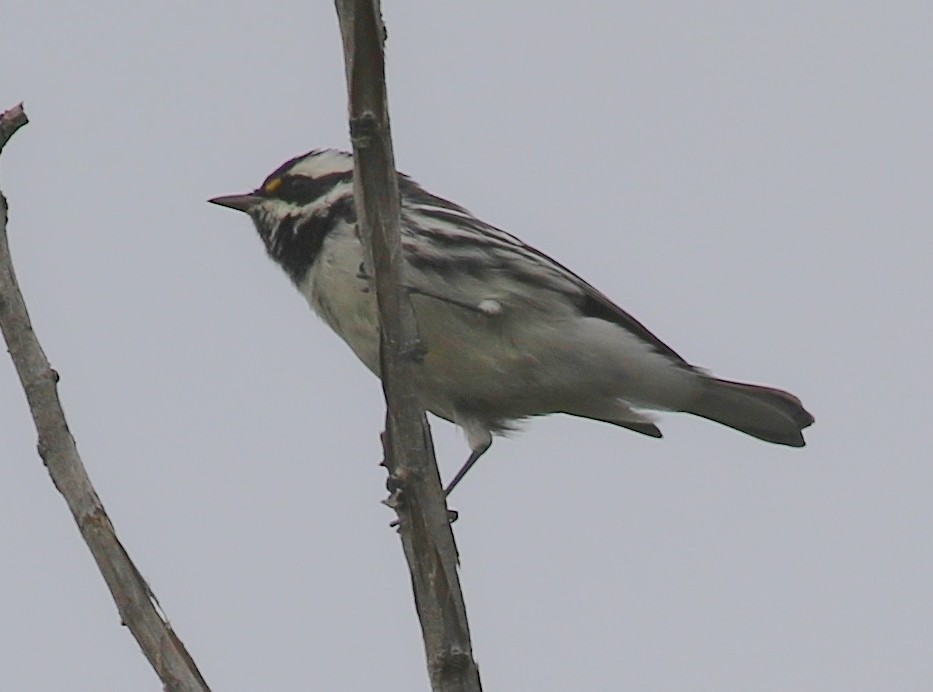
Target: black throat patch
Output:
[(295, 241)]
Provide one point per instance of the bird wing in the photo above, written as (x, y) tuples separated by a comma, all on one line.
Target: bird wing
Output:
[(453, 256)]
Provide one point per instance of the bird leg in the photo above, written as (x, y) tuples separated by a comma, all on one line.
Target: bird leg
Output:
[(472, 459)]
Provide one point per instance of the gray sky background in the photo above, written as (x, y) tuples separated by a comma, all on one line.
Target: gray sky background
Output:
[(751, 180)]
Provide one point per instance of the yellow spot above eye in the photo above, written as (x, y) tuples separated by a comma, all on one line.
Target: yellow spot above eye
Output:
[(272, 185)]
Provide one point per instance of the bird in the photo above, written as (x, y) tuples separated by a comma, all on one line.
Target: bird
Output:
[(510, 333)]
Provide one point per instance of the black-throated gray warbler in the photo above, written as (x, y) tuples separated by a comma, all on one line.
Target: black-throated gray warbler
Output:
[(510, 333)]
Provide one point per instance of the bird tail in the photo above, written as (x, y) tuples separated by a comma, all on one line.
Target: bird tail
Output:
[(769, 414)]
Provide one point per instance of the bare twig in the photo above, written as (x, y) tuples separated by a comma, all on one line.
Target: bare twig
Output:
[(409, 454), (135, 601)]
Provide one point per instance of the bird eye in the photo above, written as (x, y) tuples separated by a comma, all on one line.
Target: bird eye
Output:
[(272, 185), (295, 188)]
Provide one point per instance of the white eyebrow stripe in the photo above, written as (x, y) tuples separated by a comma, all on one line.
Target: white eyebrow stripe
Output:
[(319, 164)]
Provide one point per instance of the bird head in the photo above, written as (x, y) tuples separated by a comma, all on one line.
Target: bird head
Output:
[(298, 205)]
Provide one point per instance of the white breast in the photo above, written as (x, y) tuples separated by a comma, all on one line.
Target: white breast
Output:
[(336, 291)]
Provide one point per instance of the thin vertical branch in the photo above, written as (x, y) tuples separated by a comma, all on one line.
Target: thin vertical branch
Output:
[(135, 601), (417, 496)]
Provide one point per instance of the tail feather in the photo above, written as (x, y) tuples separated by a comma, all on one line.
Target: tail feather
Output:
[(769, 414)]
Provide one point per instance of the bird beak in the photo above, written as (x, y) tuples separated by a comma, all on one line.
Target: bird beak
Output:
[(239, 202)]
